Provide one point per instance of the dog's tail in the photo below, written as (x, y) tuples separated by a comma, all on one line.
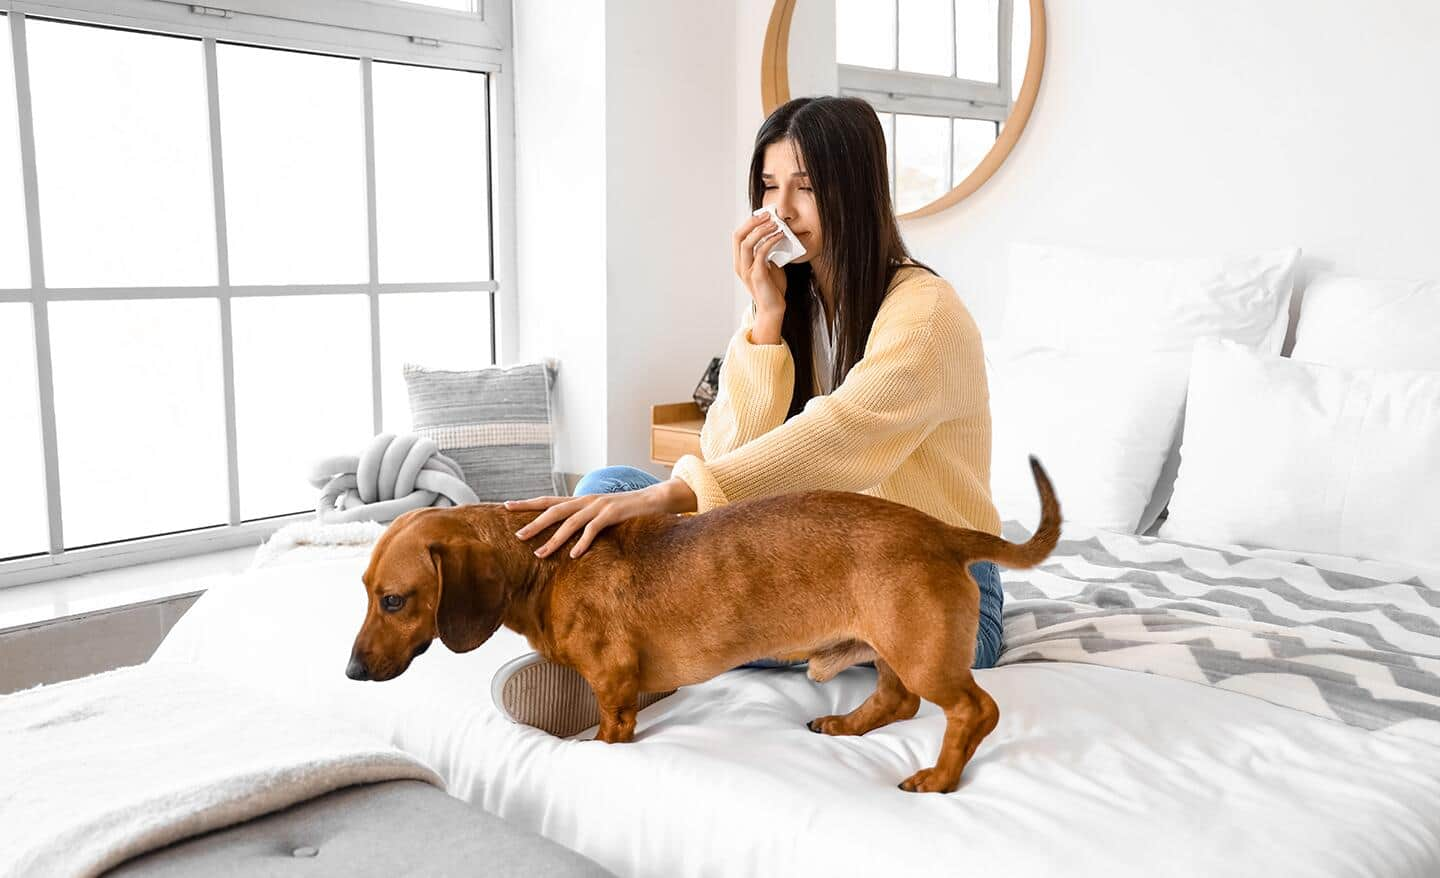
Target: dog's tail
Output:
[(981, 546)]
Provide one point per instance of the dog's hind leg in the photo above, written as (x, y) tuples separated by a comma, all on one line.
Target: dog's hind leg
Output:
[(970, 715), (890, 702)]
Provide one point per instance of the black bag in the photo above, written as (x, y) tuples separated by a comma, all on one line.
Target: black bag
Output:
[(709, 386)]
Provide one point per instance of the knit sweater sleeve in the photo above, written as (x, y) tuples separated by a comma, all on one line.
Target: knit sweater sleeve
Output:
[(917, 371), (756, 383)]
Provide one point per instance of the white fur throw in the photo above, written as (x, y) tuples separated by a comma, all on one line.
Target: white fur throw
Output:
[(99, 770), (313, 539)]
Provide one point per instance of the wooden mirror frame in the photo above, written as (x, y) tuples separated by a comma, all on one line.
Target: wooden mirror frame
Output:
[(775, 90)]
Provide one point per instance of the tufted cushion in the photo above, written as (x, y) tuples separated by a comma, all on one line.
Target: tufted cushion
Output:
[(400, 827)]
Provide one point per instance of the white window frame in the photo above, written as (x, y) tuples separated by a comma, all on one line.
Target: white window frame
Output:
[(901, 92), (367, 30)]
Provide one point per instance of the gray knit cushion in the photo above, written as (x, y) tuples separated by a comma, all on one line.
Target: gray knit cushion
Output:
[(496, 423)]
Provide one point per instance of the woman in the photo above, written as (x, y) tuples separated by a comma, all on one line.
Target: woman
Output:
[(855, 369)]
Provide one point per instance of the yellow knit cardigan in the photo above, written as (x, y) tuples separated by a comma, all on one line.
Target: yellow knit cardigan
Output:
[(910, 422)]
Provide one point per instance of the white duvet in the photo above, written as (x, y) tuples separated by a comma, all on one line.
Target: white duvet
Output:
[(1091, 770)]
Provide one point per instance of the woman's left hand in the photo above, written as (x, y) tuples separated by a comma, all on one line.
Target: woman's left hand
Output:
[(595, 512)]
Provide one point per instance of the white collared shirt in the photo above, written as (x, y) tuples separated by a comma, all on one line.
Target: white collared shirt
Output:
[(822, 345)]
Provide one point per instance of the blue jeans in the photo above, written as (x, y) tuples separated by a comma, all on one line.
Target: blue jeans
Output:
[(615, 479)]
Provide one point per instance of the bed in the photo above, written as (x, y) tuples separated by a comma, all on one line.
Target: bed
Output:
[(1201, 748)]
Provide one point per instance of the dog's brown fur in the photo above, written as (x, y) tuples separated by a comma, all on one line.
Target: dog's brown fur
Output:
[(658, 602)]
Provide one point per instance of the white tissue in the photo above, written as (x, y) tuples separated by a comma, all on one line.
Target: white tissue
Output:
[(788, 250)]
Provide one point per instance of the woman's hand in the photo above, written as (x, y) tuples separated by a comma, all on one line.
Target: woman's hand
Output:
[(595, 512), (766, 282)]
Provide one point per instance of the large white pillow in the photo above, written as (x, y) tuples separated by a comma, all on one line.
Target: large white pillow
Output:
[(1309, 457), (1122, 310), (1070, 299), (1102, 425), (1375, 324)]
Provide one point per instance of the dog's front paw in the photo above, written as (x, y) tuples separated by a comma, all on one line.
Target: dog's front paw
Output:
[(929, 780), (618, 733), (830, 725)]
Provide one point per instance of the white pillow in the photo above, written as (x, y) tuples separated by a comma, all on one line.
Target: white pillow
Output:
[(1373, 324), (1085, 303), (1309, 457), (1102, 425), (1069, 299)]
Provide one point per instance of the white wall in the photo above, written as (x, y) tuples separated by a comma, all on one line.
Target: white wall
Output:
[(669, 128), (625, 118), (1209, 126), (560, 212), (1175, 128)]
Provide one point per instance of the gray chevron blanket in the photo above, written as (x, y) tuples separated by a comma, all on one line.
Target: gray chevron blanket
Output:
[(1347, 639)]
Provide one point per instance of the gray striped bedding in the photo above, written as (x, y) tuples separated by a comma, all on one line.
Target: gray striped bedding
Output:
[(1347, 639)]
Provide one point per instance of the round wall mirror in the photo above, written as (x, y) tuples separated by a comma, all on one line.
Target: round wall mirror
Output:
[(953, 81)]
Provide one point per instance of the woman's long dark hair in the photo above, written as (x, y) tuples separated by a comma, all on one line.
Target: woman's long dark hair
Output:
[(842, 147)]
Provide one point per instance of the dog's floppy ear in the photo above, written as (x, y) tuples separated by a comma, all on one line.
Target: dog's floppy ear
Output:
[(472, 593)]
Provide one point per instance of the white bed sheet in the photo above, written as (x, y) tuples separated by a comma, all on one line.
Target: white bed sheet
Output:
[(1091, 770)]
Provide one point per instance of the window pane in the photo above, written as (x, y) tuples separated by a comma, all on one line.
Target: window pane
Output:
[(973, 139), (865, 33), (139, 417), (431, 171), (977, 36), (24, 518), (14, 248), (1020, 46), (302, 393), (434, 330), (922, 151), (122, 147), (925, 36), (293, 136)]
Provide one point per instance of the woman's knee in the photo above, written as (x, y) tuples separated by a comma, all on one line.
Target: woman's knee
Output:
[(613, 480), (989, 640), (988, 644)]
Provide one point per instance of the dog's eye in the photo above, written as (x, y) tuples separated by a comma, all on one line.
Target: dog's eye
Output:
[(392, 602)]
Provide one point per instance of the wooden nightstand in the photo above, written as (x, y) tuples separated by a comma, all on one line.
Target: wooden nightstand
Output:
[(675, 431)]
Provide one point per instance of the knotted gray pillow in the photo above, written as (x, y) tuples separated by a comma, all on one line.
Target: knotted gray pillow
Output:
[(394, 474)]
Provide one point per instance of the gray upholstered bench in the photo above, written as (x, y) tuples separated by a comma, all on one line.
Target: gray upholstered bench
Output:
[(401, 827)]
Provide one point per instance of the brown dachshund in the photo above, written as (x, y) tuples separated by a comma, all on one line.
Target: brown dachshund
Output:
[(659, 602)]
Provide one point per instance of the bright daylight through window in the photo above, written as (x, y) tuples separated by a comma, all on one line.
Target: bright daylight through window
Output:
[(217, 251)]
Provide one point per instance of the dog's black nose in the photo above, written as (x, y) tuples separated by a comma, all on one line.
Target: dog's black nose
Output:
[(356, 670)]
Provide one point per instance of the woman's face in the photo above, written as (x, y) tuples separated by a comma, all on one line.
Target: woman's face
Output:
[(787, 187)]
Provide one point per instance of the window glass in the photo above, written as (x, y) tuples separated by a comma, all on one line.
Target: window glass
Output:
[(24, 516), (122, 152), (14, 245), (865, 33), (139, 417), (921, 154), (925, 37), (302, 393), (293, 135), (977, 35), (431, 186)]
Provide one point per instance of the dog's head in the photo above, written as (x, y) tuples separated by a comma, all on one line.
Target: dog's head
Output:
[(432, 574)]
